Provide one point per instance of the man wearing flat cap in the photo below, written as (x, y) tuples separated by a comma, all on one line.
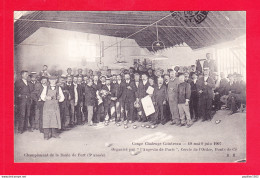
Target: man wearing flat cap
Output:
[(205, 86)]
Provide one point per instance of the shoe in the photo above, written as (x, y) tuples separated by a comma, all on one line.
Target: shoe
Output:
[(56, 136), (180, 124)]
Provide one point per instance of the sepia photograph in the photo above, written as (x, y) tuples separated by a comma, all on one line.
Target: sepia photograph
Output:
[(129, 87)]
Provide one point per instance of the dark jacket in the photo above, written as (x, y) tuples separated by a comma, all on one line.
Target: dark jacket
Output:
[(70, 89), (90, 96), (129, 92), (160, 94), (193, 87), (184, 92), (81, 91), (141, 91), (36, 93), (22, 90), (107, 99)]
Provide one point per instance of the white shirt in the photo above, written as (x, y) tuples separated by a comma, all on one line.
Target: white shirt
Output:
[(25, 82), (119, 82), (127, 81), (205, 78), (44, 93), (145, 82)]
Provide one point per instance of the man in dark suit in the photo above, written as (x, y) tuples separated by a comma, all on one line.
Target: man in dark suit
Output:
[(71, 99), (144, 84), (118, 90), (36, 95), (79, 106), (63, 105), (90, 100), (34, 102), (129, 98), (107, 98), (194, 98), (98, 83), (160, 97), (167, 111), (23, 100), (210, 63), (205, 86)]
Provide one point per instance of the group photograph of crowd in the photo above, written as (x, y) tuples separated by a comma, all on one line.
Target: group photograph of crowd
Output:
[(180, 97)]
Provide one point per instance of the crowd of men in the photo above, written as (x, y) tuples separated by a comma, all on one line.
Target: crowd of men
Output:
[(43, 101)]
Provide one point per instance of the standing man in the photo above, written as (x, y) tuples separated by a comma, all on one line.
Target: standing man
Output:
[(71, 100), (107, 99), (184, 93), (144, 84), (34, 102), (209, 63), (36, 95), (172, 97), (90, 101), (194, 98), (129, 98), (167, 111), (23, 101), (64, 104), (120, 98), (160, 95), (205, 86)]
